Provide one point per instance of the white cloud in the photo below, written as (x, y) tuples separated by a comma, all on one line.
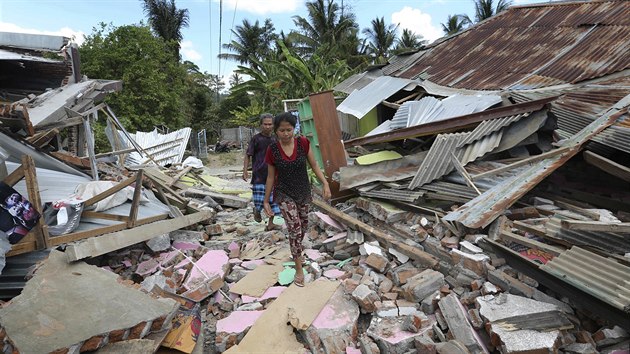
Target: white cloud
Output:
[(417, 22), (188, 52), (76, 36), (263, 7)]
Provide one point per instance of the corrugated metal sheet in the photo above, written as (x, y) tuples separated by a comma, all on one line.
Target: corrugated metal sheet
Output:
[(33, 41), (164, 148), (439, 161), (482, 210), (447, 189), (360, 102), (394, 194), (606, 241), (489, 126), (429, 109), (401, 61), (531, 47), (357, 81), (599, 276), (386, 171)]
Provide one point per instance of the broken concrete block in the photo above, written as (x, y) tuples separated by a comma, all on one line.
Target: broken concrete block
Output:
[(271, 293), (385, 286), (377, 261), (186, 245), (314, 255), (413, 323), (366, 298), (402, 273), (203, 289), (233, 328), (500, 309), (475, 319), (234, 250), (58, 307), (335, 327), (609, 336), (237, 273), (367, 345), (252, 306), (406, 308), (334, 273), (399, 256), (580, 348), (187, 236), (213, 262), (460, 329), (451, 347), (489, 288), (352, 350), (430, 303), (425, 345), (475, 262), (381, 210), (251, 265), (159, 243), (214, 230), (391, 337), (450, 242), (422, 285), (386, 308)]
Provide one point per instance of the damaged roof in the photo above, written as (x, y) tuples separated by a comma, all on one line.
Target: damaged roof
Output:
[(530, 47)]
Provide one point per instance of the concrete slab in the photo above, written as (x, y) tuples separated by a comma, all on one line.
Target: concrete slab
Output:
[(231, 329), (335, 328), (212, 263), (391, 338), (65, 305), (333, 273), (270, 293)]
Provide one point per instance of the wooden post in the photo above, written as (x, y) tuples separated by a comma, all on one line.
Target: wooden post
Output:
[(329, 136), (30, 177), (133, 212)]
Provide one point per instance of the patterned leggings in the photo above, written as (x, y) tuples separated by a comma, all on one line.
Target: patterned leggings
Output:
[(296, 217)]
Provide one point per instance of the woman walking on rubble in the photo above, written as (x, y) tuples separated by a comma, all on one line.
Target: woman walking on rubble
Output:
[(287, 176)]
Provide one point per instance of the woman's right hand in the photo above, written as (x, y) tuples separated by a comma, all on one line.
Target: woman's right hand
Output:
[(268, 210)]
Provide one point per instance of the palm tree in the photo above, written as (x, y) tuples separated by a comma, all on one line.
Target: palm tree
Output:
[(409, 41), (484, 8), (380, 38), (235, 79), (252, 41), (326, 26), (167, 21), (455, 24)]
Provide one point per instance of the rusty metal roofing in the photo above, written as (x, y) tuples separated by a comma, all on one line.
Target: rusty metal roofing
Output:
[(607, 241), (439, 160), (482, 210), (385, 171), (360, 102), (599, 276), (394, 194), (530, 47), (489, 126)]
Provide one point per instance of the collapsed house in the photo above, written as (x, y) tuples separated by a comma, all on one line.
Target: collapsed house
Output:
[(483, 208)]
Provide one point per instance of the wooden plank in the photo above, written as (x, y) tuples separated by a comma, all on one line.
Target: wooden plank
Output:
[(462, 171), (14, 177), (159, 179), (30, 177), (97, 198), (422, 257), (21, 248), (223, 199), (576, 209), (104, 216), (607, 165), (97, 246), (523, 162), (133, 212), (69, 122), (181, 174), (71, 159), (623, 227), (76, 236), (512, 237)]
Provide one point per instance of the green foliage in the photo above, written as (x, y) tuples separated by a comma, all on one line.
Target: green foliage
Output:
[(167, 21), (381, 39)]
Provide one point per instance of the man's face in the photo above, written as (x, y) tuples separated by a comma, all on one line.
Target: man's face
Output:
[(267, 126), (13, 199)]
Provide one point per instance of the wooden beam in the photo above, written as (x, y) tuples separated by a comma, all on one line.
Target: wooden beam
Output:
[(223, 199), (69, 122), (512, 237), (97, 246), (607, 165), (76, 236), (15, 176), (623, 227), (522, 162), (97, 198), (181, 174), (422, 257), (133, 212), (104, 216), (30, 177), (462, 171), (155, 179), (72, 159)]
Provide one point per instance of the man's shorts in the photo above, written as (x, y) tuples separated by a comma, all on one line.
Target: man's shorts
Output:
[(258, 193)]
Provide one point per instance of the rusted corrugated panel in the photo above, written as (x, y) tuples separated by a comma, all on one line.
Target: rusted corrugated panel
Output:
[(439, 160), (357, 81), (401, 61), (360, 102), (607, 241), (531, 47), (488, 126), (484, 209), (599, 276), (386, 171), (450, 189)]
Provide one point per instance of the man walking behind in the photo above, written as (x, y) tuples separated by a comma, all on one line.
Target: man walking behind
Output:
[(256, 152)]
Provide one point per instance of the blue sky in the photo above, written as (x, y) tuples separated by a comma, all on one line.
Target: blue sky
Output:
[(73, 18)]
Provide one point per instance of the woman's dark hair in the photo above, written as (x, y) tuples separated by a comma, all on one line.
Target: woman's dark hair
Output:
[(284, 117)]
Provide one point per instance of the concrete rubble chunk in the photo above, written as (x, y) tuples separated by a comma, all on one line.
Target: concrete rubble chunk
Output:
[(57, 308), (505, 306), (212, 263), (460, 329), (335, 327), (187, 236), (367, 345), (366, 298), (580, 348), (422, 285), (159, 243), (377, 261), (390, 336), (402, 273), (231, 329), (452, 347), (608, 336)]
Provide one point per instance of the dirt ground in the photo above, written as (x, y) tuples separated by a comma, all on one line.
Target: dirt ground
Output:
[(228, 164)]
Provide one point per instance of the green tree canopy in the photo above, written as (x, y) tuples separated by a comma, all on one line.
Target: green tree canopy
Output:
[(455, 24), (485, 8), (381, 38), (167, 21), (250, 41), (409, 41)]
